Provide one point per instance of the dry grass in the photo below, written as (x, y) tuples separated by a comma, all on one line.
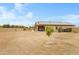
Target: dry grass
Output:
[(76, 30), (26, 42)]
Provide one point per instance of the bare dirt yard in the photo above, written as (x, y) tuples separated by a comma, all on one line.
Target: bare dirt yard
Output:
[(38, 43)]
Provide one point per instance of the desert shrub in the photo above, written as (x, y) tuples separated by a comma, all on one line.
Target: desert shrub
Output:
[(49, 31), (76, 31), (24, 29)]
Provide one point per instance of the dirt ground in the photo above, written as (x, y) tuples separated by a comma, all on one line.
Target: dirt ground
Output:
[(38, 43)]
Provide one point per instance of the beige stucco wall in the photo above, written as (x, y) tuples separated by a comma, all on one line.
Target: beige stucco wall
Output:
[(63, 27), (51, 27), (36, 28), (54, 27)]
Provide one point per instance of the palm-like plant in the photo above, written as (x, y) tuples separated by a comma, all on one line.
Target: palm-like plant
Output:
[(49, 31)]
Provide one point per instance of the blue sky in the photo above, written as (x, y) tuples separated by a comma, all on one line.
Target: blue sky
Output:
[(28, 14)]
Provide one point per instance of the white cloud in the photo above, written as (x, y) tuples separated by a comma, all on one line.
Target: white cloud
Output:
[(10, 14), (29, 15), (18, 6), (12, 18), (5, 14), (71, 17), (2, 11)]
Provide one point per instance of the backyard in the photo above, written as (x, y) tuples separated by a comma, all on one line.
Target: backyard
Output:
[(38, 43)]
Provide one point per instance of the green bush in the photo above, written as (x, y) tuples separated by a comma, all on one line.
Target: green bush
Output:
[(49, 31), (6, 26)]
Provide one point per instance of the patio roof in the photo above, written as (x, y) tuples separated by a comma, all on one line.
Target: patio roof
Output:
[(53, 23)]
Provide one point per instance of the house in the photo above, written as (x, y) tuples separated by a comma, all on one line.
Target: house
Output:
[(57, 26)]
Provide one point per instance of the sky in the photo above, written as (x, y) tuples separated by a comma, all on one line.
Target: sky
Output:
[(29, 13)]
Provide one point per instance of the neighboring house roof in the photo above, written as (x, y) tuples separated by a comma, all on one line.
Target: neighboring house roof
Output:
[(53, 23)]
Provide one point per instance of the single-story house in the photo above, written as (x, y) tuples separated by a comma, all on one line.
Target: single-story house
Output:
[(57, 26)]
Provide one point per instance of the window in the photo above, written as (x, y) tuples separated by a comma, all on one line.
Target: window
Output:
[(41, 28)]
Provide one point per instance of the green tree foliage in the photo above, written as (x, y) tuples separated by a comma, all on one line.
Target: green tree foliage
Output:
[(6, 26), (49, 31)]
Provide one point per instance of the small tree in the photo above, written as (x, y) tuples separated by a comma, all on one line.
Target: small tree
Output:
[(49, 31)]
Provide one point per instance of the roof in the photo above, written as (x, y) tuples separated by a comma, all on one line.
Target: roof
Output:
[(53, 23)]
